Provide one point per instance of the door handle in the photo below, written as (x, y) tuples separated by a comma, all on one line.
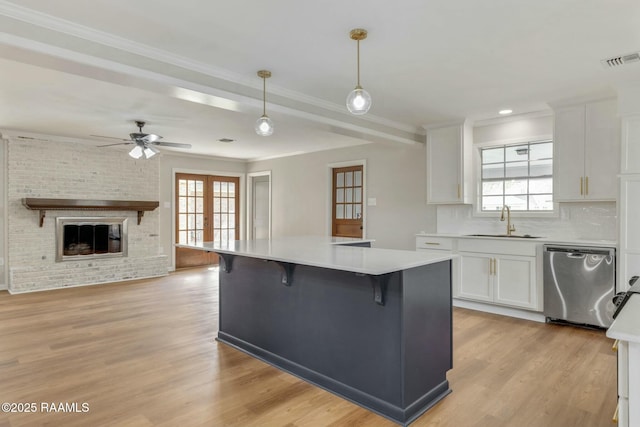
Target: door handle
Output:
[(581, 186)]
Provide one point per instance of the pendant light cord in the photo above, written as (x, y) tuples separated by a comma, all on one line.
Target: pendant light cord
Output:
[(358, 62), (264, 96)]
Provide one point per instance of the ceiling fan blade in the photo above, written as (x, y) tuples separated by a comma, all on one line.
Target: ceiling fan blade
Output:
[(171, 144), (109, 137), (117, 143)]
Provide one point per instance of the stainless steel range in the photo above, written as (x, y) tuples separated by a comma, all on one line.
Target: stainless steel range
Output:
[(579, 283)]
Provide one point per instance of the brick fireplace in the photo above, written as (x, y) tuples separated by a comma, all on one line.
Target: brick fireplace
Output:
[(77, 170)]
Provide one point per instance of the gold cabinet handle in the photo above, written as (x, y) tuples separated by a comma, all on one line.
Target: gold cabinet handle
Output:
[(615, 414), (432, 243), (586, 186), (614, 347), (581, 187), (458, 191)]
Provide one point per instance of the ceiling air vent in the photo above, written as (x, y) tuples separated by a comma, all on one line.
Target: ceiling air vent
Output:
[(227, 140), (616, 61)]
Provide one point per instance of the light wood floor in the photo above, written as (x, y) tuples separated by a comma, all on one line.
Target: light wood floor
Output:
[(143, 354)]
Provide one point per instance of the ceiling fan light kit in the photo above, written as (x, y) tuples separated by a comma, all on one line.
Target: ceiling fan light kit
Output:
[(358, 100), (264, 125)]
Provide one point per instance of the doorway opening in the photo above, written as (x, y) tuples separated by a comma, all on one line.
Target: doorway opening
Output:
[(259, 205)]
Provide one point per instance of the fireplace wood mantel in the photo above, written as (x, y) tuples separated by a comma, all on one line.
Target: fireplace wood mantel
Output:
[(43, 205)]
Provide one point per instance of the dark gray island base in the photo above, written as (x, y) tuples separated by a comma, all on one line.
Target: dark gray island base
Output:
[(381, 341)]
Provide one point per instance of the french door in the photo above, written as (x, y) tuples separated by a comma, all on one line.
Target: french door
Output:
[(207, 210)]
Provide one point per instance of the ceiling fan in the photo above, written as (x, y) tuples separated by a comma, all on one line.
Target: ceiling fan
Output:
[(145, 143)]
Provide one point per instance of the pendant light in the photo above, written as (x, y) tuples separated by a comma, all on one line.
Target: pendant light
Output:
[(264, 125), (359, 100)]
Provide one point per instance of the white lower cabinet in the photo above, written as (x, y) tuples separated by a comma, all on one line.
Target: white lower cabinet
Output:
[(499, 272), (495, 271), (501, 279)]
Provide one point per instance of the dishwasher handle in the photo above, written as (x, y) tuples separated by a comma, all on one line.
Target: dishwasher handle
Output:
[(578, 252)]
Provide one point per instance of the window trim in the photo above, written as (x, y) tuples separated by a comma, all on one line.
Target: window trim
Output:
[(477, 166)]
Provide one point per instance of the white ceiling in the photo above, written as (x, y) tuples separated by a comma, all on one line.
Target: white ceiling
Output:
[(78, 68)]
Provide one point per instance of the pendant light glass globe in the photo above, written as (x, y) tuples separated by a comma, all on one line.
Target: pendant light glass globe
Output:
[(264, 126), (358, 101)]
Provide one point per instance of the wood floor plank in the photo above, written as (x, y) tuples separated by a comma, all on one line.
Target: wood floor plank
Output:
[(143, 353)]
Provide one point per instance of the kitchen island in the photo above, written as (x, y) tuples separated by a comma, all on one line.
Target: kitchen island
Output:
[(371, 325)]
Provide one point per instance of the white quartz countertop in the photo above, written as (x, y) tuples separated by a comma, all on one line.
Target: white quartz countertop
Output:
[(325, 252), (541, 239), (626, 326)]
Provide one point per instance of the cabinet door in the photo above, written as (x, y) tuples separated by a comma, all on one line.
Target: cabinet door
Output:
[(476, 278), (444, 157), (514, 281), (602, 151), (568, 142)]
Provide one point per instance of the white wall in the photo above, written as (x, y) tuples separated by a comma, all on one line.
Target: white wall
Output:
[(66, 170), (395, 176), (169, 165)]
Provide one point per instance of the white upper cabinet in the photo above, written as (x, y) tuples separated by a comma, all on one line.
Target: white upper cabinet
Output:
[(449, 167), (587, 152)]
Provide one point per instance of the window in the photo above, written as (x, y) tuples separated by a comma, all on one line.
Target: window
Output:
[(519, 176)]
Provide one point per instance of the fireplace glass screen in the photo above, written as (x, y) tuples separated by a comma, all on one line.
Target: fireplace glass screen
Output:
[(90, 237)]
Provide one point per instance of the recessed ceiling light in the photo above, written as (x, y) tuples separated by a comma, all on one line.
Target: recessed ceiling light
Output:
[(504, 112)]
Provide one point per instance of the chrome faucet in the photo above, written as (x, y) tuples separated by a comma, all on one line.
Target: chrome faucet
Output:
[(510, 227)]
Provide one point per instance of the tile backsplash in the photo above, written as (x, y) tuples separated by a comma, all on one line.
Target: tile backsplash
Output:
[(575, 221)]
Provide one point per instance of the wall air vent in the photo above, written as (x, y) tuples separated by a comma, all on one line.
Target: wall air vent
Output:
[(617, 61)]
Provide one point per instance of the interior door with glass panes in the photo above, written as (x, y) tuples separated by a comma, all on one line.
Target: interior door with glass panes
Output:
[(348, 192), (207, 209)]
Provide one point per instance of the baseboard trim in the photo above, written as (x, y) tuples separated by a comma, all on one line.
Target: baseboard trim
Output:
[(503, 311)]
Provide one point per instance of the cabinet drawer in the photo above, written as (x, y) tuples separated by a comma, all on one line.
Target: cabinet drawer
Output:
[(434, 243), (498, 246)]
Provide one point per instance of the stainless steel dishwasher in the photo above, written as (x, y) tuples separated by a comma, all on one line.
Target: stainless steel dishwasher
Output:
[(579, 284)]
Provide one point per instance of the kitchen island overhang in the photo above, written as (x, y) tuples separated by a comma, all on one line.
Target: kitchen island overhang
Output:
[(374, 329)]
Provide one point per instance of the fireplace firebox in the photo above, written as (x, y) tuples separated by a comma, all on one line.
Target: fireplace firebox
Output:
[(90, 237)]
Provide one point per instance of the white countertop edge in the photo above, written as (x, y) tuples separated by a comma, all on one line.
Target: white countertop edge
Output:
[(626, 326), (545, 240), (354, 259)]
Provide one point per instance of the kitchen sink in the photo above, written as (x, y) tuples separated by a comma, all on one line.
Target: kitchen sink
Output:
[(518, 236)]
